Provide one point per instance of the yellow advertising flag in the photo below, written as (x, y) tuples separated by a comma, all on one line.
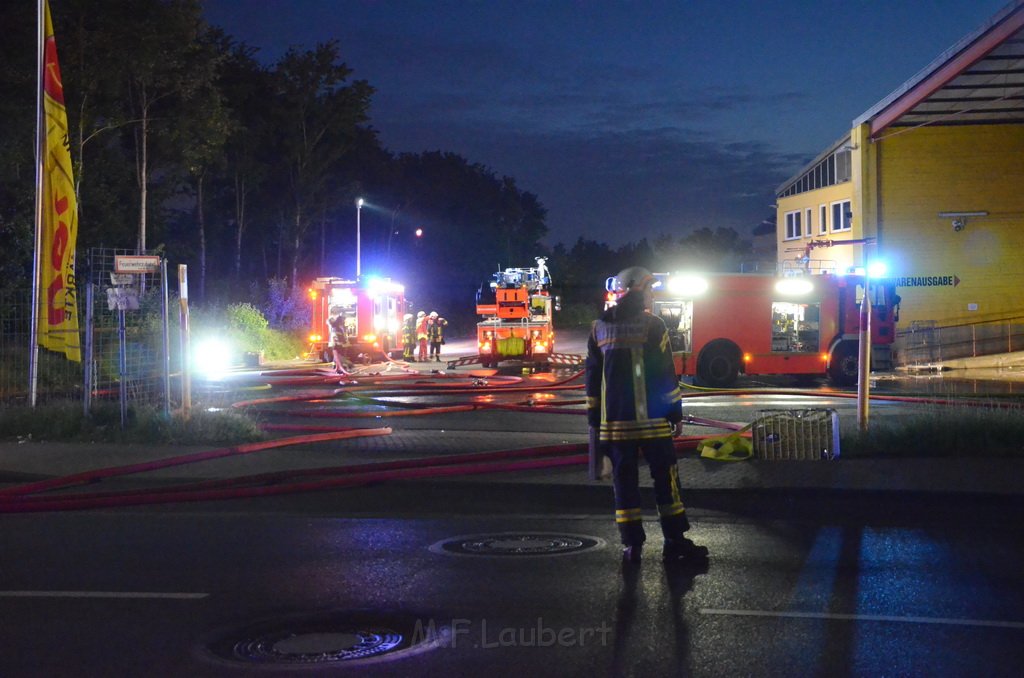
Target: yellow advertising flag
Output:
[(58, 319)]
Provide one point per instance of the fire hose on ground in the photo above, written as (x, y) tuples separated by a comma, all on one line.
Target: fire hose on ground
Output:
[(26, 497)]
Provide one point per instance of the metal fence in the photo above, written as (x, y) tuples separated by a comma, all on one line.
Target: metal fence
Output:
[(126, 340), (926, 343), (126, 352), (57, 377)]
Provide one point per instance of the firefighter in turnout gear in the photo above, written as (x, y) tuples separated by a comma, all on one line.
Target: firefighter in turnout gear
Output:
[(408, 336), (338, 338), (435, 333), (421, 336), (633, 400)]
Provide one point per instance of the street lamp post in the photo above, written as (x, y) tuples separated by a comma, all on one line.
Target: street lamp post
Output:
[(874, 269), (359, 213)]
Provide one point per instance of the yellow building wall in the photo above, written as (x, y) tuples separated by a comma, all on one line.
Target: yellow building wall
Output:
[(953, 277), (790, 250)]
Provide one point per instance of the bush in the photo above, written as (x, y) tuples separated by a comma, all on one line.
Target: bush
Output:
[(246, 327), (286, 308), (249, 331), (246, 318)]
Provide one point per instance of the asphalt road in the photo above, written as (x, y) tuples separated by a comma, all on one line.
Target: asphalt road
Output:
[(237, 589), (518, 577)]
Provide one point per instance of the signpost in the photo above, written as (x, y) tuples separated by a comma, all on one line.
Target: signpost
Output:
[(136, 263), (186, 368), (123, 295)]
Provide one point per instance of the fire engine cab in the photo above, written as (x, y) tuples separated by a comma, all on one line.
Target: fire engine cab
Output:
[(726, 324), (372, 309)]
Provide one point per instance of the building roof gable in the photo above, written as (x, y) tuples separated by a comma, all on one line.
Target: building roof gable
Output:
[(979, 80)]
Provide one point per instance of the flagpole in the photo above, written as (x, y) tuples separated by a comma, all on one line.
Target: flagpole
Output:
[(33, 364)]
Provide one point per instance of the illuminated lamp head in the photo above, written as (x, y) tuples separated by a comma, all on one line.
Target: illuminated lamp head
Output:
[(794, 286), (877, 269), (687, 285)]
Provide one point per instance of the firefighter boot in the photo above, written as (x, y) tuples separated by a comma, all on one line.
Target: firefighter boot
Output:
[(678, 548), (633, 538)]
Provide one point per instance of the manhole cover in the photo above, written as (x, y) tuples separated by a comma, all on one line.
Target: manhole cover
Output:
[(328, 638), (317, 647), (517, 544)]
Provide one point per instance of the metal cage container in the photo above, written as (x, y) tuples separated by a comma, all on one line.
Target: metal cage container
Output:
[(796, 434)]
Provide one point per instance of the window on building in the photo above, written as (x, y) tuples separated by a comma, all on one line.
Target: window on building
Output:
[(842, 216), (807, 221), (833, 169), (842, 166), (792, 225), (823, 219)]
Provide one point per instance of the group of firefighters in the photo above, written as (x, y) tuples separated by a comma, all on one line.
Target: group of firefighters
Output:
[(420, 331)]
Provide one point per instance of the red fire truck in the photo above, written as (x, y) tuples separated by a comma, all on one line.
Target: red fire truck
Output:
[(722, 325), (517, 307), (372, 308)]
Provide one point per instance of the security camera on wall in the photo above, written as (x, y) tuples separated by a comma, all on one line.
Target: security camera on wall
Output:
[(959, 219)]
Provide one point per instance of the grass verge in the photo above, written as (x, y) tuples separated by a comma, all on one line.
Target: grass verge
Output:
[(64, 422), (966, 432)]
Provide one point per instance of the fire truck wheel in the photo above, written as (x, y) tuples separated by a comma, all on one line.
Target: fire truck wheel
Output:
[(842, 368), (718, 366)]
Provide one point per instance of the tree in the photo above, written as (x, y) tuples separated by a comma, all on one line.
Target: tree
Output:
[(202, 129), (315, 117), (474, 223), (17, 143), (162, 67), (720, 250)]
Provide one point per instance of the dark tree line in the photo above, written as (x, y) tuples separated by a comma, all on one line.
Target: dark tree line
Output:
[(183, 141)]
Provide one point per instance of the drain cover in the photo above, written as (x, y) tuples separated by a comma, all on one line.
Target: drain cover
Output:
[(517, 544), (317, 647), (327, 639)]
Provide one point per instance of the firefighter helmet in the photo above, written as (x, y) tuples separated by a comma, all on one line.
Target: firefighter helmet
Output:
[(407, 316), (433, 314), (420, 314), (633, 278)]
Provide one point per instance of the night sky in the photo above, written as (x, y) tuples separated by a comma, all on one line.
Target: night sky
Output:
[(627, 119)]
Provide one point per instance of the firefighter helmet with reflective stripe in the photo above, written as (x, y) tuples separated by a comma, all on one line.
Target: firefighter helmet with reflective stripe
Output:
[(633, 278)]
